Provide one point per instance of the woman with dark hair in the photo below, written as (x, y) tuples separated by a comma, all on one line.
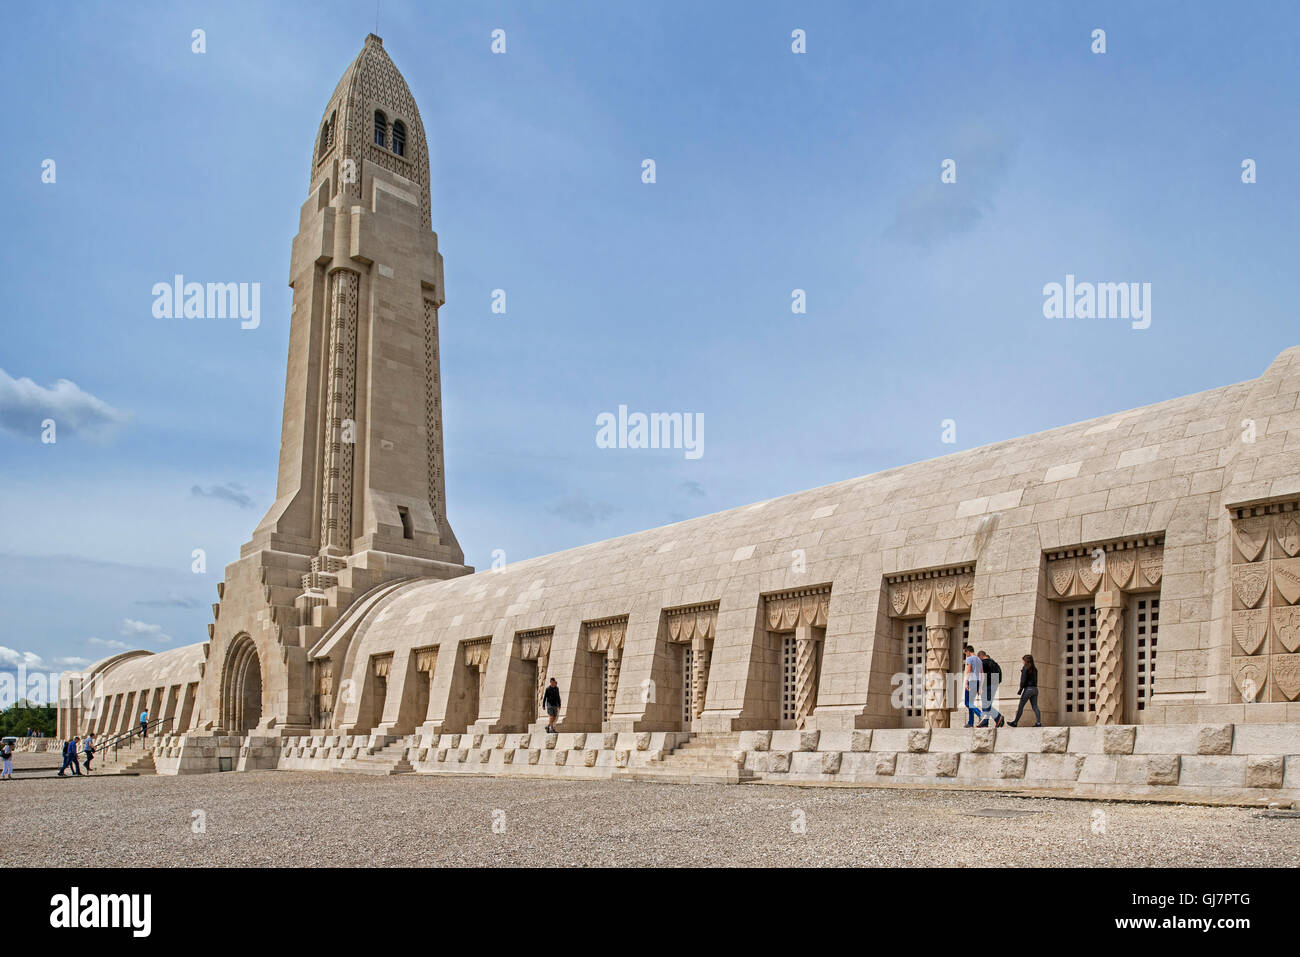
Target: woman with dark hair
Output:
[(1028, 691)]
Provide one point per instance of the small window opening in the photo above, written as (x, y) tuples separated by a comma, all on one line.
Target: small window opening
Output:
[(408, 529)]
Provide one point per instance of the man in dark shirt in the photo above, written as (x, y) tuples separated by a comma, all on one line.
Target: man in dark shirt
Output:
[(992, 678), (70, 757), (551, 700)]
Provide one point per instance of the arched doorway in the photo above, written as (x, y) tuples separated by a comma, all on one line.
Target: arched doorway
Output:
[(241, 687)]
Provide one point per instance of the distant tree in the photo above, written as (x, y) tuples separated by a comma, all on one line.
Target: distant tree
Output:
[(17, 719)]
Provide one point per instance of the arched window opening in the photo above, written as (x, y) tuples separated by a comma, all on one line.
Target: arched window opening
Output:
[(381, 128), (327, 135), (399, 137)]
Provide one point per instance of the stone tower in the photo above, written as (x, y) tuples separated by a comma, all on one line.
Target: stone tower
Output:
[(360, 498)]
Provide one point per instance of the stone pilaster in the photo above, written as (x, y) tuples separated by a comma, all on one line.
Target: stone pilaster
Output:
[(543, 660), (614, 659), (938, 639), (805, 689), (340, 406), (1110, 656), (700, 649)]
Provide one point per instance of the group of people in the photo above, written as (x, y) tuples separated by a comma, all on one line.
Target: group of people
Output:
[(981, 677), (76, 746)]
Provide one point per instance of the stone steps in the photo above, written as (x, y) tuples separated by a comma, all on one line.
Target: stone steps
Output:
[(138, 764), (703, 759), (386, 761)]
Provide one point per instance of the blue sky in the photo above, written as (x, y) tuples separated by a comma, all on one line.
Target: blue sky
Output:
[(775, 171)]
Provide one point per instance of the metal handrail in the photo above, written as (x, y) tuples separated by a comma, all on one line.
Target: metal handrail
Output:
[(123, 738)]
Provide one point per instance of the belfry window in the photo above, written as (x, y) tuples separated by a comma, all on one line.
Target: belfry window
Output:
[(399, 137), (381, 128)]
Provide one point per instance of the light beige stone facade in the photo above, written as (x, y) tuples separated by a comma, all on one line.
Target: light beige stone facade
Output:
[(1149, 559)]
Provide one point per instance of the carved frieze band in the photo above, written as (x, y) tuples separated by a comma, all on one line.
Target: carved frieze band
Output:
[(535, 644), (1134, 564), (915, 593), (808, 607), (476, 652), (686, 624), (426, 659), (1266, 602), (606, 634)]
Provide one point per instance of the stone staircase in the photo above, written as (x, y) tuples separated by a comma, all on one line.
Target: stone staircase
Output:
[(704, 759), (133, 761), (390, 759)]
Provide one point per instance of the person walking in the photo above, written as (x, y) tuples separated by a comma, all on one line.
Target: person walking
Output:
[(7, 758), (144, 724), (89, 748), (551, 701), (972, 675), (70, 757), (992, 678), (1028, 692)]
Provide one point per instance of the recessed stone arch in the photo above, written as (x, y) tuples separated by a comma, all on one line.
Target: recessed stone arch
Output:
[(241, 687)]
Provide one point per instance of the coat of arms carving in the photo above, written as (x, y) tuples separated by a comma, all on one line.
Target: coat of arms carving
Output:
[(1250, 535), (966, 589), (1286, 625), (1286, 578), (1286, 675), (1249, 629), (1062, 575), (1249, 675), (944, 590), (1120, 565), (1090, 570), (1287, 529), (1151, 563), (921, 591), (1249, 582)]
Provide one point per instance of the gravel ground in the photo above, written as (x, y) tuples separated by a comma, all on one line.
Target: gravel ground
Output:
[(270, 818)]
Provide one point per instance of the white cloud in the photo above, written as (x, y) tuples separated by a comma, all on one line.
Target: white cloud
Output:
[(72, 662), (109, 643), (9, 658), (143, 629), (24, 405)]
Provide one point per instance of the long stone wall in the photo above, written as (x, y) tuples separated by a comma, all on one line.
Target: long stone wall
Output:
[(1246, 764)]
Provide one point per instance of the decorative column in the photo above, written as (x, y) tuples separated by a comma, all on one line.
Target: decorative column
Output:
[(340, 405), (805, 687), (1110, 656), (938, 639), (426, 662), (700, 649), (543, 660), (614, 658)]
